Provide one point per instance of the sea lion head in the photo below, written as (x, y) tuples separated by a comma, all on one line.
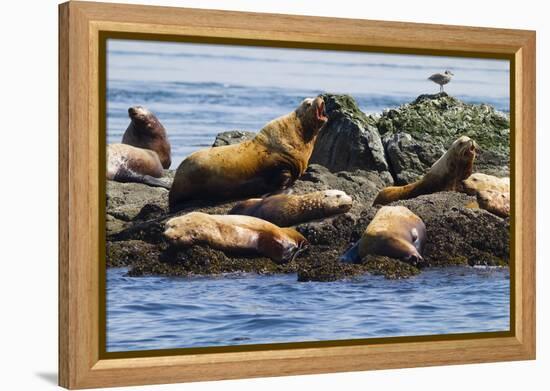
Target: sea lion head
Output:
[(394, 232), (187, 230), (145, 120), (292, 245), (335, 201), (418, 237), (138, 113), (478, 182), (458, 161), (494, 201), (146, 131), (464, 147), (312, 115)]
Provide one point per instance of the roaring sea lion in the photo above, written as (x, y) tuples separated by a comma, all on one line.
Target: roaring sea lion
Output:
[(285, 210), (146, 131), (237, 234), (478, 182), (446, 174), (126, 163), (394, 232), (272, 160), (494, 201)]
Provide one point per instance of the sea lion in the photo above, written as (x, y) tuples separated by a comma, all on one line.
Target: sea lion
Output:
[(237, 234), (496, 202), (285, 210), (146, 131), (126, 163), (446, 174), (271, 161), (479, 182), (394, 232)]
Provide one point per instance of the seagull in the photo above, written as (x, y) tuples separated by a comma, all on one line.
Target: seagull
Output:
[(441, 78)]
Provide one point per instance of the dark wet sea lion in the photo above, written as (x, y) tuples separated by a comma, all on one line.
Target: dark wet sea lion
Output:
[(126, 163), (273, 160), (146, 131), (446, 174), (235, 234), (394, 232), (288, 209)]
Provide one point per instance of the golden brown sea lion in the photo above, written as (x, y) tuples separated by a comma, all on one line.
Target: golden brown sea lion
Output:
[(237, 234), (126, 163), (273, 160), (394, 232), (494, 201), (285, 210), (146, 131), (446, 174), (479, 182)]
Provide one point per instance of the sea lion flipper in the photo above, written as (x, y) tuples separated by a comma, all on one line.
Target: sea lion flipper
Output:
[(352, 255), (128, 177), (302, 246), (155, 182)]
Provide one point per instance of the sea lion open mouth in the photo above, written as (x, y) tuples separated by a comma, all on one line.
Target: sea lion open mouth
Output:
[(471, 151), (321, 113)]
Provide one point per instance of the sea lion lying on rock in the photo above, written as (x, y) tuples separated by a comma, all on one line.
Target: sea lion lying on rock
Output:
[(273, 160), (236, 234), (496, 202), (285, 210), (126, 163), (394, 232), (446, 174), (146, 131), (478, 182)]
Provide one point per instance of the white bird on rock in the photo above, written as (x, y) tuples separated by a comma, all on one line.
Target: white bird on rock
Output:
[(441, 79)]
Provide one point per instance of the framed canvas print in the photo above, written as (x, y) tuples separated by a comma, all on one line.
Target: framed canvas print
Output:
[(247, 195)]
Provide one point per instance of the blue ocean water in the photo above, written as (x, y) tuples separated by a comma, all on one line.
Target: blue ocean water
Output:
[(198, 91), (164, 313)]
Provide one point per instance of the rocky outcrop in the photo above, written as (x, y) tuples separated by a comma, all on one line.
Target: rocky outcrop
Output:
[(457, 232), (410, 158), (126, 200), (232, 137), (350, 140), (416, 134), (456, 235)]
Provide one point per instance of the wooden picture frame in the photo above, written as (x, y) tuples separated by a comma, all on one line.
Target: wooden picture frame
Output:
[(81, 25)]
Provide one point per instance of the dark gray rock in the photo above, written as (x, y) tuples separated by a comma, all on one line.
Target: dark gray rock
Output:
[(232, 137), (125, 200), (409, 159), (350, 140), (416, 134)]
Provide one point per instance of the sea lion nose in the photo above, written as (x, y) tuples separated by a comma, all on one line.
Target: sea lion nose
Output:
[(169, 233)]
